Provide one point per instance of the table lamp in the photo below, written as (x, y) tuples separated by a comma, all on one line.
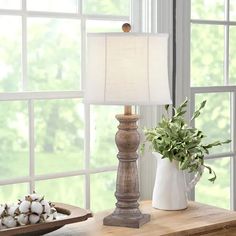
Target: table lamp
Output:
[(127, 69)]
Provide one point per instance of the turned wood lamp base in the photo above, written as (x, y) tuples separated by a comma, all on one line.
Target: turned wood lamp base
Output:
[(127, 213), (126, 221)]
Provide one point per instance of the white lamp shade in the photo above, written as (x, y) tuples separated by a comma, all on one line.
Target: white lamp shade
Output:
[(127, 69)]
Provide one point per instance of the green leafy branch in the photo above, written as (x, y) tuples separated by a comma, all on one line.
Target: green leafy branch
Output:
[(174, 139)]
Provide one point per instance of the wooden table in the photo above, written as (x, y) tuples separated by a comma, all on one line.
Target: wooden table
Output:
[(198, 219)]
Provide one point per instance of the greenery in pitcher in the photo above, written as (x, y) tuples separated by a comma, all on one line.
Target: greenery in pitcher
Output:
[(174, 139)]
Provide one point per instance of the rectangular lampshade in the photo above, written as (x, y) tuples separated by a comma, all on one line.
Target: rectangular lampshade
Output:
[(127, 69)]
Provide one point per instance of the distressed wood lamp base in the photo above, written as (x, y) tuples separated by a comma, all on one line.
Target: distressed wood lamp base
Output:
[(126, 221), (127, 213)]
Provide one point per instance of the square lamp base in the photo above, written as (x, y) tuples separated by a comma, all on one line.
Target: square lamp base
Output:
[(124, 221)]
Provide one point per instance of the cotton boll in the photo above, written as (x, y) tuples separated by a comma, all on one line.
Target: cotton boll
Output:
[(34, 219), (44, 217), (2, 210), (37, 208), (21, 200), (32, 209), (9, 222), (53, 212), (23, 219), (24, 206), (34, 197), (12, 210), (49, 218), (46, 206), (1, 225), (54, 215), (53, 209)]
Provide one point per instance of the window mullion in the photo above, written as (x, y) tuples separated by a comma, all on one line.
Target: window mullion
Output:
[(31, 145), (16, 180), (212, 22), (226, 56), (24, 85), (226, 53), (219, 155), (16, 96), (58, 175), (190, 176), (87, 156), (80, 7), (233, 160), (87, 183), (136, 15), (83, 50), (154, 16)]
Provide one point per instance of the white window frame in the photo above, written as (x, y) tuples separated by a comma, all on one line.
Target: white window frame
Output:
[(184, 89), (136, 21)]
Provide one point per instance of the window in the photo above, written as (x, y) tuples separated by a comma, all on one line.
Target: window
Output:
[(49, 140), (213, 71)]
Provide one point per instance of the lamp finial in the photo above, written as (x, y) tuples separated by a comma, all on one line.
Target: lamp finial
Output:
[(126, 27)]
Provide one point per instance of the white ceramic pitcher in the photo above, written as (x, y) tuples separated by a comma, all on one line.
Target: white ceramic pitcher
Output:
[(170, 189)]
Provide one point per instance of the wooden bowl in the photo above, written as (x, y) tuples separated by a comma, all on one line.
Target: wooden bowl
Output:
[(74, 214)]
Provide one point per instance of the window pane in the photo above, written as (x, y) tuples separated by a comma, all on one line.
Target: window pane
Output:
[(102, 191), (218, 193), (59, 136), (109, 7), (11, 193), (103, 128), (68, 190), (54, 54), (10, 53), (10, 4), (232, 57), (214, 120), (208, 9), (104, 26), (13, 140), (52, 5), (207, 55), (232, 10)]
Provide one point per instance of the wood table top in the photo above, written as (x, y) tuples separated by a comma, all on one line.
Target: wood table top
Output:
[(197, 219)]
